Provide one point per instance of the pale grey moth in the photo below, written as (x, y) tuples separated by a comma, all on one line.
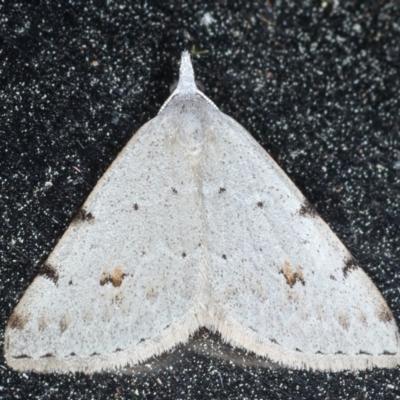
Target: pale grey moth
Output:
[(194, 225)]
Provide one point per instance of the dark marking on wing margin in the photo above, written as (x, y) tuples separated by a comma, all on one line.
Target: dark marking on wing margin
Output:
[(349, 265), (387, 353), (83, 216), (49, 272), (222, 190), (48, 355), (308, 210), (361, 352), (385, 315), (17, 321)]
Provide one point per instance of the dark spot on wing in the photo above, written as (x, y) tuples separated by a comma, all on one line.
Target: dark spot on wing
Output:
[(22, 356), (17, 321), (332, 277), (49, 272), (260, 204), (174, 191), (222, 190), (83, 216), (70, 283), (274, 341), (94, 354), (308, 210), (349, 265), (72, 354), (135, 207), (298, 350), (117, 350), (115, 278), (183, 254), (224, 256), (291, 275), (142, 340), (364, 352), (339, 352)]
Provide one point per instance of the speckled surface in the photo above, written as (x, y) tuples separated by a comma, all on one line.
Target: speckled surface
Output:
[(316, 83)]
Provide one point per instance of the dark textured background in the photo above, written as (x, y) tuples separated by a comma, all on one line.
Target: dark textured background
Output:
[(316, 82)]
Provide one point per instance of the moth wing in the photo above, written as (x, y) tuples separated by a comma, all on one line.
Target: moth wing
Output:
[(123, 282), (283, 284)]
